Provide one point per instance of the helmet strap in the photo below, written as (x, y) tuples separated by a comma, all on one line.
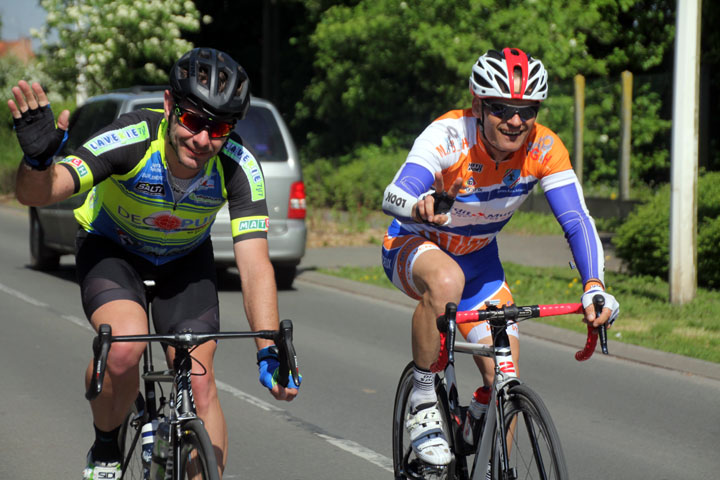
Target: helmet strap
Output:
[(170, 137)]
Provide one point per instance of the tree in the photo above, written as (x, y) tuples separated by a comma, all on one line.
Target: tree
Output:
[(385, 68), (115, 43)]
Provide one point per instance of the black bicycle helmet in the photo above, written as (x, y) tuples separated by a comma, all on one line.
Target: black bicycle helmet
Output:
[(213, 82)]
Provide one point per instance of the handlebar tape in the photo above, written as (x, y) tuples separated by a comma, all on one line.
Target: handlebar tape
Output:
[(593, 334)]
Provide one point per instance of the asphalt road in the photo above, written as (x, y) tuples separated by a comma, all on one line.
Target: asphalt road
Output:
[(617, 418)]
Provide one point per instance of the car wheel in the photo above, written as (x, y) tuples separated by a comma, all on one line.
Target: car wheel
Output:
[(41, 257), (285, 276)]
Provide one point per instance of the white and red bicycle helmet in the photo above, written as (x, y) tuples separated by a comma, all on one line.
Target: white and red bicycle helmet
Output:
[(493, 75)]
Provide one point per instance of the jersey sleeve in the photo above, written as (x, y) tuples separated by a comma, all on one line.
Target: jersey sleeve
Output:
[(245, 185), (436, 149), (565, 196), (116, 149)]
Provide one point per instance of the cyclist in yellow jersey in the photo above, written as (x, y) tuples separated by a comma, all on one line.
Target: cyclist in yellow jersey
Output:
[(463, 179), (158, 178)]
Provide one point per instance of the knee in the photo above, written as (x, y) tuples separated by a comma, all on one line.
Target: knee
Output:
[(446, 285), (124, 358), (204, 392)]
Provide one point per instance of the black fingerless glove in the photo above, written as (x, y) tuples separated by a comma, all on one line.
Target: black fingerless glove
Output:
[(39, 138)]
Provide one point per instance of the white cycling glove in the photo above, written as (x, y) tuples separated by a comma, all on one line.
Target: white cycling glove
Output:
[(610, 302)]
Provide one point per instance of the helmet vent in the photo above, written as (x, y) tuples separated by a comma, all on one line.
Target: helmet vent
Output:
[(531, 88), (502, 83), (481, 81), (495, 54), (497, 67)]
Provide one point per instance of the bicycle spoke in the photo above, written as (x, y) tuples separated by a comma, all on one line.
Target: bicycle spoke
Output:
[(534, 450)]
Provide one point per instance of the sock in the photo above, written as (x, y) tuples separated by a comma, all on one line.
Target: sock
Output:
[(106, 447), (423, 391)]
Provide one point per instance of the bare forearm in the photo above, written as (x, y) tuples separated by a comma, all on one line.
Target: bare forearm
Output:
[(260, 299), (36, 188)]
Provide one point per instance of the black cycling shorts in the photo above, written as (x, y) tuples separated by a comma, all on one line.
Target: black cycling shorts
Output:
[(185, 292)]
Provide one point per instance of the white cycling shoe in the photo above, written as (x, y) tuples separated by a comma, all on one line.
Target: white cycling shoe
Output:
[(427, 436), (101, 470)]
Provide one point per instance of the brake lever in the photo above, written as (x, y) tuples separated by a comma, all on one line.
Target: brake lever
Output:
[(599, 303), (101, 347), (286, 354)]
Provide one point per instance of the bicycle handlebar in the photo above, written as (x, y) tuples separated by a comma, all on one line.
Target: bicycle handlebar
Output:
[(514, 314), (282, 338), (593, 334)]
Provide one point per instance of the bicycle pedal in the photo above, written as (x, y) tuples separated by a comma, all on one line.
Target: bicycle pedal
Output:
[(426, 471)]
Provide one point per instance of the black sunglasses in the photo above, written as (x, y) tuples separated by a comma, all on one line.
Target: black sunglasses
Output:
[(197, 123), (506, 112)]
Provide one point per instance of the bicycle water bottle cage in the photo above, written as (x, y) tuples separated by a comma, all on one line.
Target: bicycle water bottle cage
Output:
[(443, 202)]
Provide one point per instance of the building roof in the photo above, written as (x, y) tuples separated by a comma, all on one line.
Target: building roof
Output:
[(21, 48)]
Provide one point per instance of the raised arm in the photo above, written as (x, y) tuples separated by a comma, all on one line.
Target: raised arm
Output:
[(39, 182)]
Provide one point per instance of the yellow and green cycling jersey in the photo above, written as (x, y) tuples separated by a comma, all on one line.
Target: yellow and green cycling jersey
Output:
[(132, 203)]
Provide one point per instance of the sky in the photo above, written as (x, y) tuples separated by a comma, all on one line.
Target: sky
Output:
[(19, 16)]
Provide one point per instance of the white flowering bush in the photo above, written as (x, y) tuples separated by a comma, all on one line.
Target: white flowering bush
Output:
[(109, 44)]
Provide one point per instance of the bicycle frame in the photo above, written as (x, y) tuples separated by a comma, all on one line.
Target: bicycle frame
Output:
[(504, 377), (181, 400)]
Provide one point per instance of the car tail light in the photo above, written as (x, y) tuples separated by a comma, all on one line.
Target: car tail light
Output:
[(296, 209)]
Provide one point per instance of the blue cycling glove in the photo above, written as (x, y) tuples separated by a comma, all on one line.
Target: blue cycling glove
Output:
[(269, 366)]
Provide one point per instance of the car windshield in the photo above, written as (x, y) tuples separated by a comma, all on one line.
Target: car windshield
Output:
[(260, 133)]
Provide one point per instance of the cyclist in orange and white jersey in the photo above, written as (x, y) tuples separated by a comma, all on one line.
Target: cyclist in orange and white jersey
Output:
[(465, 176)]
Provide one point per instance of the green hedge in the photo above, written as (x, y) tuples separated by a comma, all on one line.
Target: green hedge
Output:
[(352, 183), (643, 240)]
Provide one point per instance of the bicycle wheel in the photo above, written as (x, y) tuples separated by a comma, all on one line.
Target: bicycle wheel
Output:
[(197, 456), (533, 443), (130, 442), (405, 464)]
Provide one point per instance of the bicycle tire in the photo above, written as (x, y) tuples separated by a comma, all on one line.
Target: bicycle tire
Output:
[(197, 455), (405, 465), (532, 420), (130, 441)]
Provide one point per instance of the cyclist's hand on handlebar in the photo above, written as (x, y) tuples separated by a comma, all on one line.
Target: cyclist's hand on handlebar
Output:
[(269, 367), (435, 207), (35, 126), (609, 312)]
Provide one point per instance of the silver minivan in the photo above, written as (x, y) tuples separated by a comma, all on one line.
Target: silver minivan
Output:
[(53, 228)]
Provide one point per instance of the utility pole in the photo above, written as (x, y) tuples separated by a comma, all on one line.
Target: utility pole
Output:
[(684, 153), (625, 134)]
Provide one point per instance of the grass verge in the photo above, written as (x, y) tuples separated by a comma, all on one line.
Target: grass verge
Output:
[(646, 316)]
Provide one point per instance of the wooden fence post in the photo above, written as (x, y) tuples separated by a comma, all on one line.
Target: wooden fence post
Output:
[(579, 126)]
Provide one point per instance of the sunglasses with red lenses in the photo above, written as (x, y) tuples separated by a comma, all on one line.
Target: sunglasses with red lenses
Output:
[(505, 111), (196, 123)]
